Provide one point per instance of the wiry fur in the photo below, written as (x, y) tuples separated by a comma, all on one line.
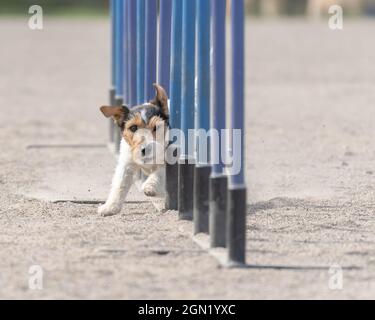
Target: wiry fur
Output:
[(142, 147)]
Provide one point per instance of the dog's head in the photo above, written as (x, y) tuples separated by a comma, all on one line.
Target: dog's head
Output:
[(144, 128)]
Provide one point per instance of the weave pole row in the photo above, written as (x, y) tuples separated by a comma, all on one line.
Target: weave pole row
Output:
[(181, 44)]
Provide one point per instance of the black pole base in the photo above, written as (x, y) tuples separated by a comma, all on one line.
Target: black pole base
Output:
[(171, 186), (112, 128), (117, 134), (218, 211), (171, 177), (236, 228), (185, 189), (201, 198)]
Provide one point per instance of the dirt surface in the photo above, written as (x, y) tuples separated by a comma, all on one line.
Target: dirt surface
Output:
[(310, 169)]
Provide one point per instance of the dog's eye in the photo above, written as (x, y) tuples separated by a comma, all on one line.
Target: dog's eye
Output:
[(133, 128), (155, 128)]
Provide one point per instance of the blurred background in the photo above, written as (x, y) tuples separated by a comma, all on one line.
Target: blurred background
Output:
[(310, 160), (309, 8), (57, 7), (266, 8)]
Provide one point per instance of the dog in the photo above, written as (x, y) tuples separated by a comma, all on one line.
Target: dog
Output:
[(144, 129)]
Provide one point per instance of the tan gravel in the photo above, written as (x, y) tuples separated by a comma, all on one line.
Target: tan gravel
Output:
[(310, 169)]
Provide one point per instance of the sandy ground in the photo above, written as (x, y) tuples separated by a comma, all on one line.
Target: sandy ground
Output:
[(310, 169)]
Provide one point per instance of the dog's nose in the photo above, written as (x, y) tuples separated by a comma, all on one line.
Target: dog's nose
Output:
[(148, 151), (143, 150)]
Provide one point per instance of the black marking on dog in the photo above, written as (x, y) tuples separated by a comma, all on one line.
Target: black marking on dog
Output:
[(147, 112)]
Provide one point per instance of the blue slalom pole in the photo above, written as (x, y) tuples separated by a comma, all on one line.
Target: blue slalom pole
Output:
[(119, 64), (125, 47), (171, 200), (236, 230), (141, 51), (151, 44), (164, 44), (218, 180), (132, 41), (119, 59), (202, 120), (186, 165), (176, 66), (112, 90), (113, 41)]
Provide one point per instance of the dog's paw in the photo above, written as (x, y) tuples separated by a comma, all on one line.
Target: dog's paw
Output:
[(149, 189), (109, 210)]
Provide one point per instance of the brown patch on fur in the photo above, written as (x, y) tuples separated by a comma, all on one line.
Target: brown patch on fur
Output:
[(131, 138), (161, 99), (118, 114), (155, 123)]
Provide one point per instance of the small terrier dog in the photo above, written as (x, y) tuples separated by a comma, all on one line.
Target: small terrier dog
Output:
[(143, 144)]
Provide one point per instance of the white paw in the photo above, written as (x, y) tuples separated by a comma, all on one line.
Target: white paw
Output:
[(108, 210), (149, 189)]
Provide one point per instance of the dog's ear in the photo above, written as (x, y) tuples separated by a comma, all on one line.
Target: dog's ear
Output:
[(161, 99), (118, 114)]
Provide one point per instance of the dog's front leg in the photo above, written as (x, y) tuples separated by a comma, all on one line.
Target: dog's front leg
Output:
[(155, 183), (121, 182)]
